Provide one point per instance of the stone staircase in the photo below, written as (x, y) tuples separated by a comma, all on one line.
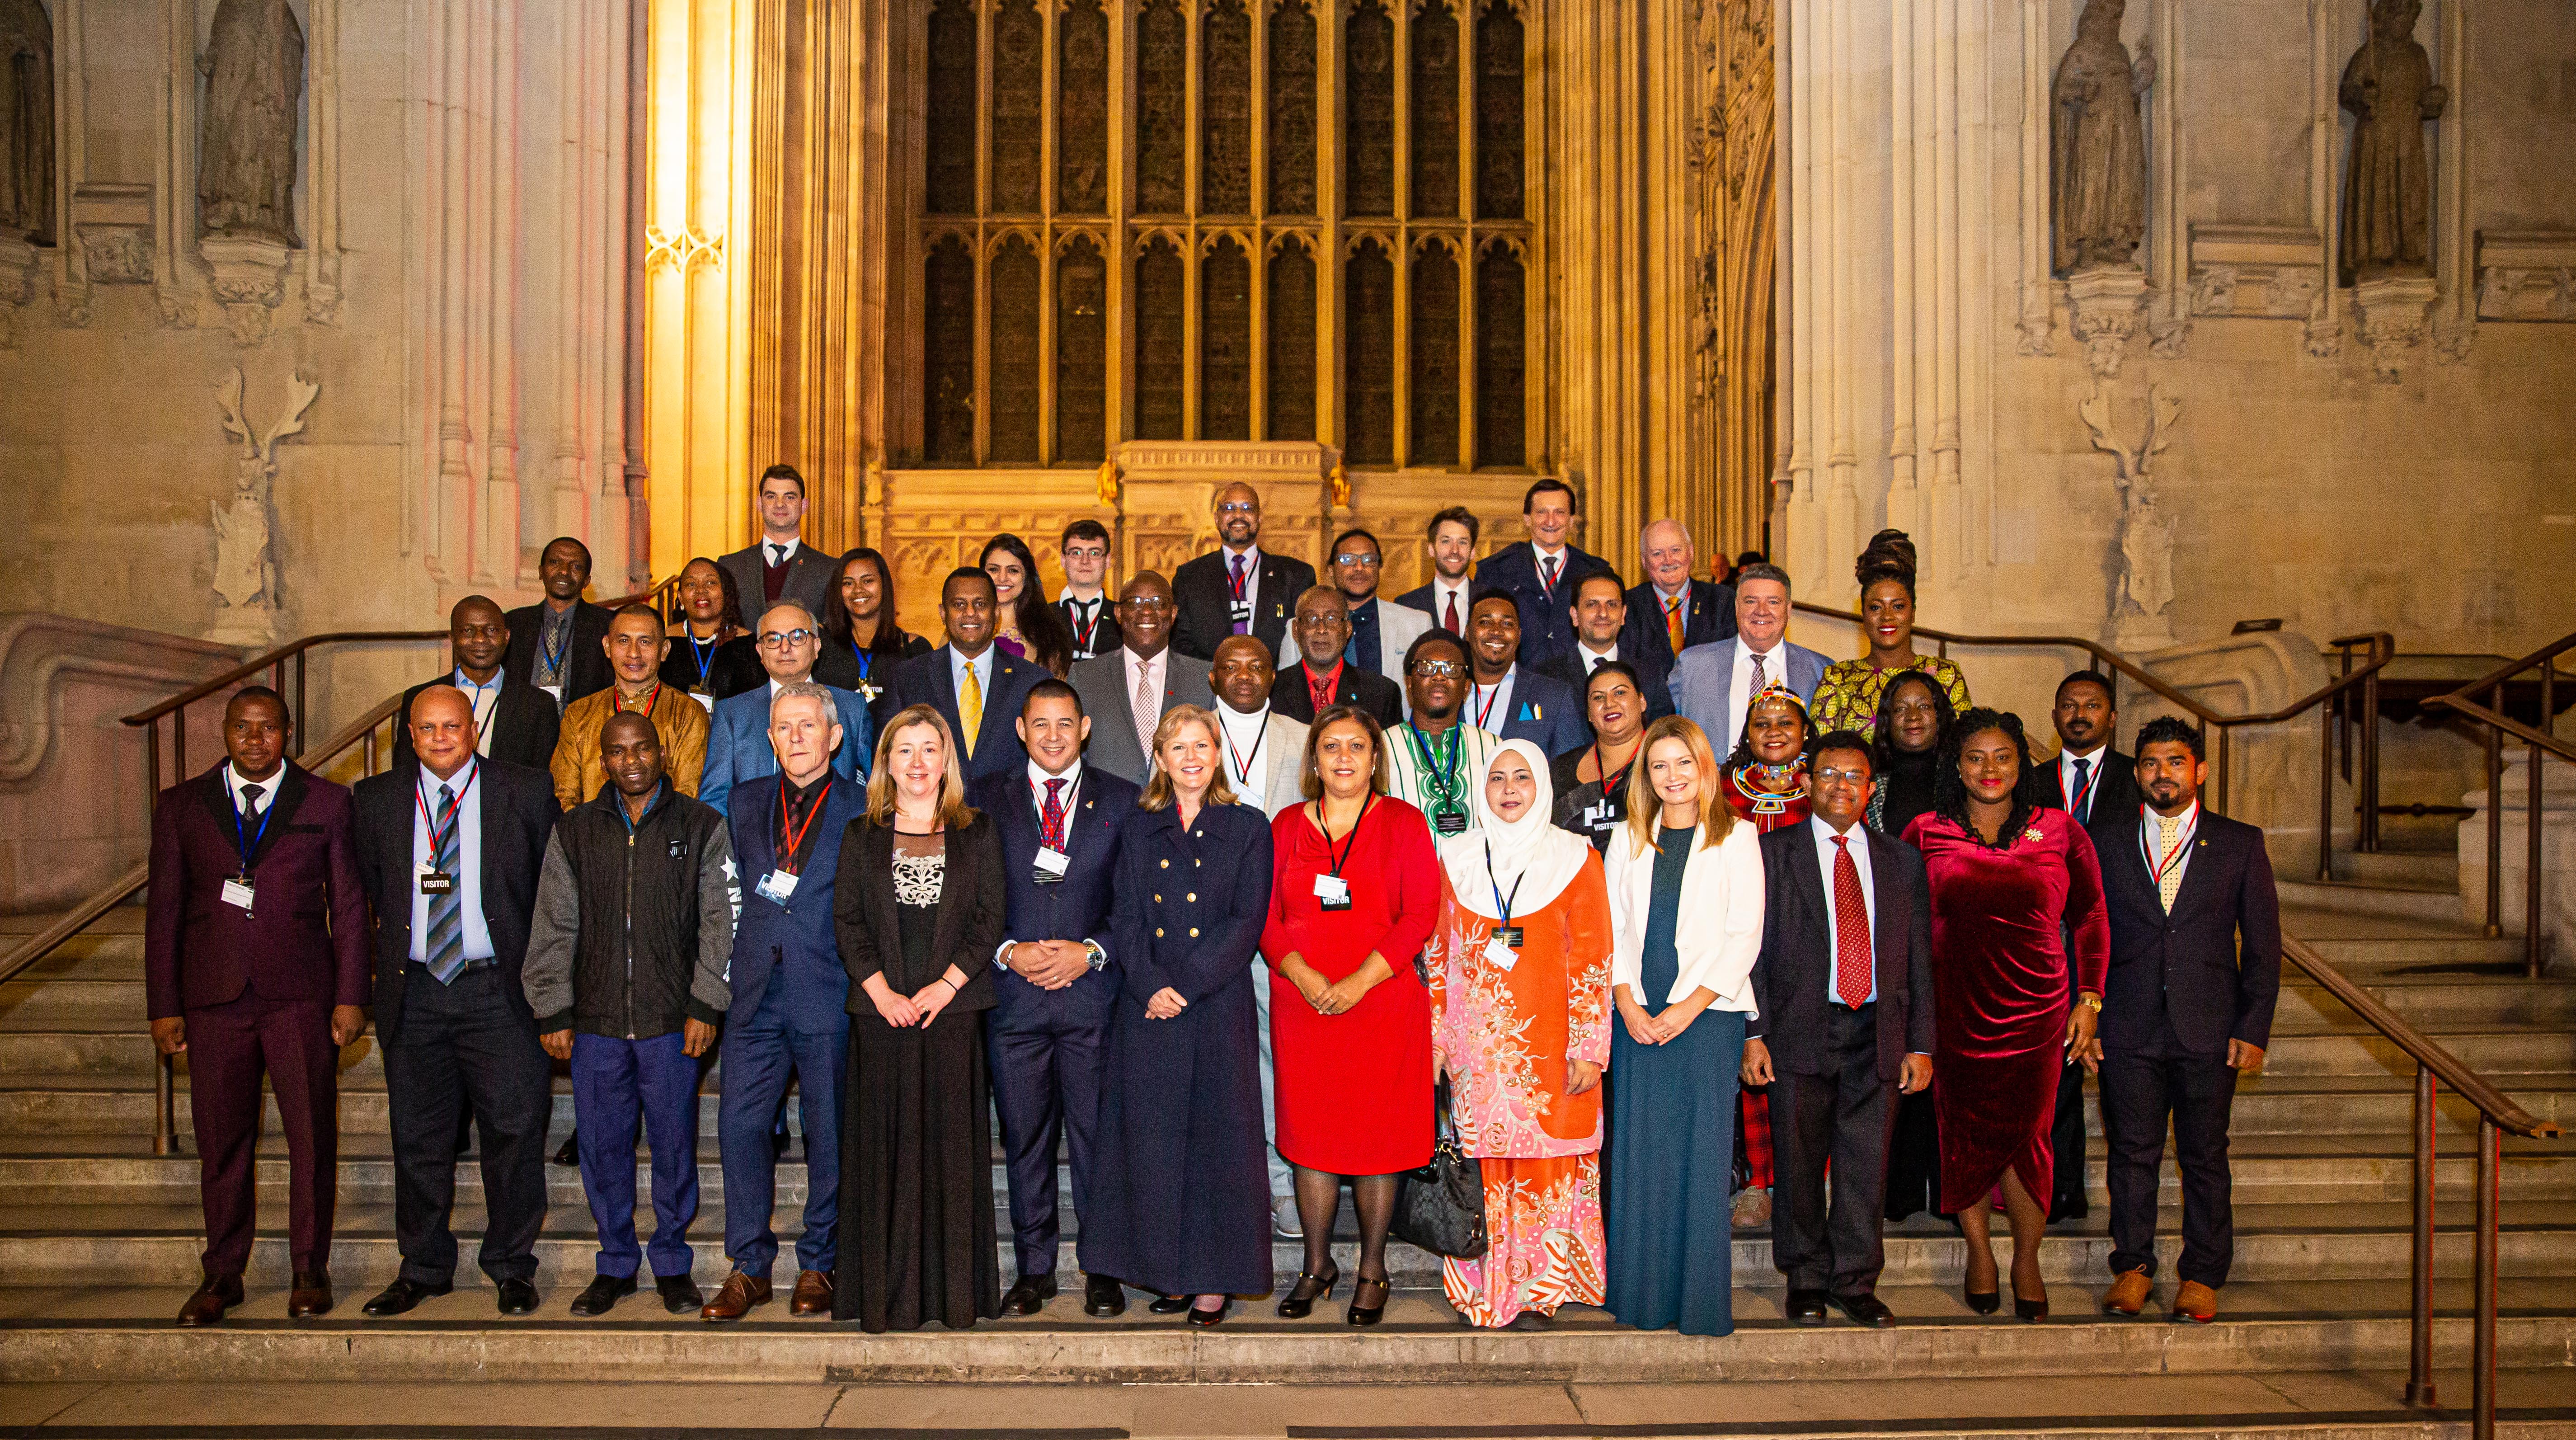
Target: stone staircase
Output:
[(99, 1238)]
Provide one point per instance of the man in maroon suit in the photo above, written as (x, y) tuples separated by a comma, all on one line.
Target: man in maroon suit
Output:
[(255, 961)]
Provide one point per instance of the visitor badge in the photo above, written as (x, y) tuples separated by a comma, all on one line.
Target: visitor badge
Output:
[(1052, 863), (1503, 948), (775, 887), (1240, 611), (1333, 891), (1450, 822), (706, 700), (556, 691), (237, 891), (434, 881), (1598, 817)]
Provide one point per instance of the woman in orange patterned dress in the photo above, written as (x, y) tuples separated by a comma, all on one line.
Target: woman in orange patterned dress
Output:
[(1520, 1021)]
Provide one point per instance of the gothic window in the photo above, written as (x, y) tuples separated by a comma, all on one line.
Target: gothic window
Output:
[(1501, 344), (1368, 355), (1019, 108), (1434, 360), (1081, 352), (1162, 108), (951, 99), (1368, 128), (1014, 360), (1225, 342), (1161, 357), (1499, 160), (1082, 109), (1435, 111), (1292, 108), (948, 349), (1225, 110), (1291, 350)]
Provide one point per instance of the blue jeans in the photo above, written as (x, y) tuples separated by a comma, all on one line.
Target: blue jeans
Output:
[(616, 1084), (760, 1054)]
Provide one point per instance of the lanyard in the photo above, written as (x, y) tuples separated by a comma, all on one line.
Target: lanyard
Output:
[(1502, 902), (1237, 581), (1604, 767), (1485, 710), (789, 842), (1351, 841), (555, 651), (443, 824), (1243, 768), (1443, 778), (2075, 802), (866, 658), (1082, 637), (246, 840), (618, 706), (2158, 869), (703, 654)]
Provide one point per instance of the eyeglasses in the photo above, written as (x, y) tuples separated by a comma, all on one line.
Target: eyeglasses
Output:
[(1358, 562), (1437, 669), (1144, 602), (1835, 775), (782, 639), (1238, 507)]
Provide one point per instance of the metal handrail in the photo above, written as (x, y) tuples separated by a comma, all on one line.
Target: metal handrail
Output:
[(2497, 1115), (2538, 743), (270, 660)]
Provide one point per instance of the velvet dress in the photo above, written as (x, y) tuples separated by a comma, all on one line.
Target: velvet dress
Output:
[(1914, 1147), (1999, 990)]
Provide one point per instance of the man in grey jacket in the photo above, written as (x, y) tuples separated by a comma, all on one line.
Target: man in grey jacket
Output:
[(626, 974)]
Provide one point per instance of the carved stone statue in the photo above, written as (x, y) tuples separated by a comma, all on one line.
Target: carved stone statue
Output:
[(2145, 582), (2098, 145), (245, 574), (254, 68), (2387, 190), (26, 122)]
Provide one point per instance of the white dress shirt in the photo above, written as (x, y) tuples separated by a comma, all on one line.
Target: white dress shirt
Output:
[(234, 780), (486, 699), (1739, 687), (1251, 576), (773, 552), (469, 858), (1858, 835), (2093, 779), (1245, 769), (2151, 841), (1490, 707), (1443, 592), (1594, 659), (1540, 555), (1157, 672)]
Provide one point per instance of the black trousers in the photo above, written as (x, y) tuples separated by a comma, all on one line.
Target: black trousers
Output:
[(2140, 1093), (2066, 1139), (1845, 1118), (459, 1044)]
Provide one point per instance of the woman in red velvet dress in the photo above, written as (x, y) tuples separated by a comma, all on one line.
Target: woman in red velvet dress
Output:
[(2007, 882), (1354, 893)]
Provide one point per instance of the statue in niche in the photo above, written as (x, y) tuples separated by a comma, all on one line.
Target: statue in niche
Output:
[(26, 122), (254, 69), (2098, 145), (2387, 190), (245, 573)]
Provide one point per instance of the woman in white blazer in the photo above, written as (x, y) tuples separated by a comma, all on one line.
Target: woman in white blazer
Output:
[(1685, 884)]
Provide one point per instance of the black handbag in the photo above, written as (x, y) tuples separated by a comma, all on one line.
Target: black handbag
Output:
[(1441, 1206)]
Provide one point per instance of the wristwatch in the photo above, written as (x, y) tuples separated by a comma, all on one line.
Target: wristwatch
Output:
[(1099, 957), (2090, 1002)]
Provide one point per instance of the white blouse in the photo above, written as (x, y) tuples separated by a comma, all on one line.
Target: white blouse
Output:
[(1718, 930)]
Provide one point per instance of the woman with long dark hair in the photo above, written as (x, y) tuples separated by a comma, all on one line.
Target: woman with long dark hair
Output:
[(861, 642), (2012, 888), (1905, 752), (1025, 622)]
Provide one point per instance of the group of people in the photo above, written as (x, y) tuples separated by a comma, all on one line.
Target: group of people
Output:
[(1235, 888)]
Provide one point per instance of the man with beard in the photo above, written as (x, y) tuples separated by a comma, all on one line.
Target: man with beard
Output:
[(1322, 676), (1380, 631), (1435, 760), (1236, 589), (1451, 540), (1509, 699)]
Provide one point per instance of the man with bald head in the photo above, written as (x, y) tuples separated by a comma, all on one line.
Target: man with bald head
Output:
[(788, 640), (1236, 589), (1126, 691), (449, 850), (513, 720), (1671, 612)]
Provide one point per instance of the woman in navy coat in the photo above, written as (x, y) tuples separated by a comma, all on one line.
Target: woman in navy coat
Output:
[(1182, 1203)]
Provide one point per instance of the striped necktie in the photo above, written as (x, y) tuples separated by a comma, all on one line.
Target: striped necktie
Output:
[(446, 947)]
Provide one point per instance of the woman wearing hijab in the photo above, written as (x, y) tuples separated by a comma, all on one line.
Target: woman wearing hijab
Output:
[(1520, 1023)]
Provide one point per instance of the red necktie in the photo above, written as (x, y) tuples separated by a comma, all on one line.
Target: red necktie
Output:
[(1851, 929), (1051, 824), (1451, 624)]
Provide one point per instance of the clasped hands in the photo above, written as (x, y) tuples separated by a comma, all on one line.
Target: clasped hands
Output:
[(1661, 1027), (1048, 964), (1334, 997), (919, 1008)]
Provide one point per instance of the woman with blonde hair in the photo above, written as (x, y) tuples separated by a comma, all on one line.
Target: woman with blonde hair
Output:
[(1181, 1202), (1686, 891), (917, 909)]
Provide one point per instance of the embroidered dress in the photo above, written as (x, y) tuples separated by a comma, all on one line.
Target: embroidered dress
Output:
[(1847, 698), (1437, 773)]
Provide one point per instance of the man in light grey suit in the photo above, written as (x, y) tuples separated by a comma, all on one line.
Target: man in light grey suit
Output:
[(1381, 630), (1265, 763), (1144, 665), (782, 567), (1713, 683)]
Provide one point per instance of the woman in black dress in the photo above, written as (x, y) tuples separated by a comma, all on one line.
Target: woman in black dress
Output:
[(861, 642), (710, 658), (1913, 714), (918, 912), (1591, 784)]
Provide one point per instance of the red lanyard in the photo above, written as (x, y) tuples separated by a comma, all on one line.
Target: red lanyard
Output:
[(2075, 802), (1604, 767), (440, 825), (2158, 869), (790, 842), (1243, 767), (617, 703), (1237, 579), (1485, 711), (1082, 638)]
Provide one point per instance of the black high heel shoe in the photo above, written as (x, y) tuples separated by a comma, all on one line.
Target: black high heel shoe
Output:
[(1299, 1302), (1984, 1302), (1368, 1314), (1206, 1318), (2030, 1312)]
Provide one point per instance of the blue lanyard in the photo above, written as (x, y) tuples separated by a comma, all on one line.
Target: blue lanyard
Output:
[(701, 653), (1502, 905), (867, 661), (555, 653), (246, 840)]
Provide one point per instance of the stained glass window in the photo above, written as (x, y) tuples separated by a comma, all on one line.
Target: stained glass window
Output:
[(948, 352), (1082, 109), (1435, 111), (1161, 340), (1225, 110), (1499, 160), (951, 101), (1368, 126), (1081, 352), (1225, 342), (1162, 108), (1502, 422), (1291, 349), (1292, 108), (1368, 355), (1014, 362), (1019, 106), (1433, 365)]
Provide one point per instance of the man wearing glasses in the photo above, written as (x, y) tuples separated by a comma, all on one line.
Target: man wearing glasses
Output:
[(1380, 631), (1126, 691), (789, 639), (1236, 589)]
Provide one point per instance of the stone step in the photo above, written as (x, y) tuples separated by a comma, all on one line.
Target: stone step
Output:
[(2401, 869), (2432, 903)]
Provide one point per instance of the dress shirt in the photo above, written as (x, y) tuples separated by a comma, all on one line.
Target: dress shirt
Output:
[(234, 780), (469, 859), (2066, 779), (486, 699), (1859, 848), (797, 804), (1157, 671), (1739, 689), (1038, 778), (1364, 647), (1539, 557), (1491, 708), (1594, 659), (1251, 575), (2151, 836), (1244, 769), (1082, 617), (1443, 593), (982, 665), (774, 553)]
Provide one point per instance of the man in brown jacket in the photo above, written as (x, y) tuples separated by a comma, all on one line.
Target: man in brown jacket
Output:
[(635, 644)]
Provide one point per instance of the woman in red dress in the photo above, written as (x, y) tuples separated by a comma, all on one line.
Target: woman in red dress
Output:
[(2007, 883), (1354, 893)]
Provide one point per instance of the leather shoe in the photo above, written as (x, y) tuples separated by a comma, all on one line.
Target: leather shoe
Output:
[(737, 1297), (679, 1293), (569, 1152), (602, 1295), (1866, 1310), (1807, 1307), (813, 1293), (2195, 1303), (399, 1297), (311, 1295), (207, 1306), (1168, 1304), (2129, 1293), (1103, 1297), (1028, 1295), (519, 1297)]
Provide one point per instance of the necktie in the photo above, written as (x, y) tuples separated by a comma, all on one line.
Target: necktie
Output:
[(1851, 929), (250, 802), (2083, 799), (1758, 681), (1241, 627), (1148, 710), (1051, 824), (1550, 564), (446, 944), (777, 555), (1450, 621), (970, 709), (2168, 873), (1673, 623)]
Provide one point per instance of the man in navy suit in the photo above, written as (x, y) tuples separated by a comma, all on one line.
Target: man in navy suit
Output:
[(1601, 633), (789, 1016), (1237, 588), (255, 964), (1542, 574), (1713, 683), (2195, 973), (558, 644), (1510, 700), (514, 721), (977, 689), (1060, 822), (1671, 612), (738, 733)]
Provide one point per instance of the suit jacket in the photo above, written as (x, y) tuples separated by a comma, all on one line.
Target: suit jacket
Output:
[(518, 817), (1076, 907), (526, 722), (1708, 616), (738, 743), (1106, 633), (1199, 588), (586, 658), (1102, 683), (812, 577), (2115, 790), (304, 936), (1398, 625), (1546, 711), (1654, 678), (1425, 599), (1796, 964), (1547, 626), (2213, 966), (927, 681), (791, 945), (1705, 673), (1282, 763), (1367, 689), (965, 931)]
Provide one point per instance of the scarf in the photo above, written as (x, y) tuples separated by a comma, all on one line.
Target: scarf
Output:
[(1529, 861)]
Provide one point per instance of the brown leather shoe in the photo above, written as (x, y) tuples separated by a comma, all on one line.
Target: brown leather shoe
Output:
[(2128, 1294), (311, 1295), (813, 1293), (207, 1306), (2195, 1303), (737, 1298)]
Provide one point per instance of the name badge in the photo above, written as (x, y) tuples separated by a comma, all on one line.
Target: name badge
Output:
[(1598, 817), (436, 882), (1051, 865), (237, 892), (1333, 891), (1502, 954), (1449, 822), (775, 887), (556, 691), (706, 700), (1240, 611)]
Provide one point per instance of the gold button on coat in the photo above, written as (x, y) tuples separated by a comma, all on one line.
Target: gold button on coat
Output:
[(1194, 932)]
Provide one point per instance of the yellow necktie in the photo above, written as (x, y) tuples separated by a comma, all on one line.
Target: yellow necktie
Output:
[(1673, 623), (2169, 879), (970, 708)]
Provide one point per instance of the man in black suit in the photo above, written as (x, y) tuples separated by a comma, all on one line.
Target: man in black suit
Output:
[(976, 688), (1322, 677), (1843, 987), (1601, 631), (1541, 575), (1089, 610), (1508, 699), (1671, 612), (1451, 539), (559, 644), (514, 721), (1236, 589), (448, 853), (782, 566), (2195, 972)]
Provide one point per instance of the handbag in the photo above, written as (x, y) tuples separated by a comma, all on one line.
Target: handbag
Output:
[(1440, 1207)]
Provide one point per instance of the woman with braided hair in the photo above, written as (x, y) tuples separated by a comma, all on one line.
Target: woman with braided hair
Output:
[(1847, 698)]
